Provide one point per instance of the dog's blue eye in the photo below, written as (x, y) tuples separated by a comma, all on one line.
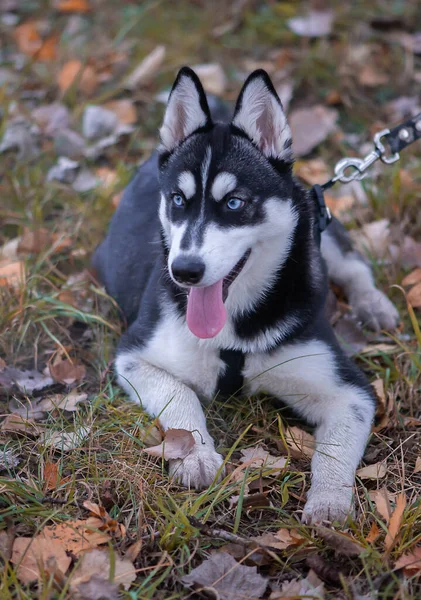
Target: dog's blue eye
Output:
[(235, 203), (178, 200)]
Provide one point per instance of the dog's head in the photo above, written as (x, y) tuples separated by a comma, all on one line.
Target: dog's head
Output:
[(226, 195)]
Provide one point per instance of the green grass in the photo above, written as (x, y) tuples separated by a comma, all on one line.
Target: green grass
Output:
[(179, 528)]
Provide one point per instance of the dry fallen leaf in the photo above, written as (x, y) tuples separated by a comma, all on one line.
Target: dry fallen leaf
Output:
[(316, 23), (376, 471), (27, 38), (69, 402), (34, 241), (300, 442), (177, 443), (212, 77), (382, 501), (48, 49), (280, 540), (12, 274), (75, 536), (417, 467), (373, 238), (313, 171), (343, 543), (31, 555), (17, 423), (414, 296), (80, 6), (372, 77), (373, 534), (97, 588), (310, 588), (410, 562), (146, 70), (66, 370), (7, 537), (310, 127), (97, 563), (133, 551), (412, 278), (226, 578), (124, 109), (66, 441), (73, 71), (51, 475), (260, 458), (395, 522)]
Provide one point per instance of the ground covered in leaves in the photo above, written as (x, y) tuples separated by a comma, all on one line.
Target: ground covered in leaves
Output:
[(85, 511)]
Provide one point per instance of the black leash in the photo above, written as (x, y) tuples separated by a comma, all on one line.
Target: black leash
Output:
[(396, 139)]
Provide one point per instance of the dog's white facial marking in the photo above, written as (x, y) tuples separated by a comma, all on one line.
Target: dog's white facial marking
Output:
[(205, 171), (223, 184), (187, 184)]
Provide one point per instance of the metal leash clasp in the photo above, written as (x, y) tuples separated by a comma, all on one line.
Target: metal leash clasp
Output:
[(360, 165)]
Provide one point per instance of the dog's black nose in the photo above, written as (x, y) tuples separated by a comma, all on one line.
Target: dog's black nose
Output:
[(187, 270)]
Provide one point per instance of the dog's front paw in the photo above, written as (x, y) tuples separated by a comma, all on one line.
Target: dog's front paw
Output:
[(198, 469), (333, 505), (374, 310)]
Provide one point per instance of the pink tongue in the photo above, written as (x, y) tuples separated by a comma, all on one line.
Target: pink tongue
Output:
[(206, 313)]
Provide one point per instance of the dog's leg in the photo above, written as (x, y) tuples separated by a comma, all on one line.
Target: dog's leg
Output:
[(177, 407), (327, 390), (348, 269)]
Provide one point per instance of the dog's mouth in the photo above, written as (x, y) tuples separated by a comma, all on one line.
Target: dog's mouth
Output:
[(206, 313)]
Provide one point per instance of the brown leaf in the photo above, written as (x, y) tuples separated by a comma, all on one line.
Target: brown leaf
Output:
[(410, 562), (34, 242), (373, 533), (260, 458), (413, 277), (97, 588), (370, 76), (378, 386), (69, 402), (97, 563), (27, 38), (75, 536), (51, 475), (124, 109), (73, 71), (373, 238), (382, 501), (212, 77), (65, 441), (310, 587), (417, 467), (280, 540), (147, 69), (300, 441), (177, 443), (7, 537), (133, 551), (96, 509), (343, 543), (228, 579), (395, 522), (414, 296), (31, 555), (48, 49), (310, 127), (12, 274), (16, 423), (312, 171), (376, 471), (80, 6), (66, 370), (407, 254)]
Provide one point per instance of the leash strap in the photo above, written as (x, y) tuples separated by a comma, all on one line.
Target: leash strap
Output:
[(395, 139)]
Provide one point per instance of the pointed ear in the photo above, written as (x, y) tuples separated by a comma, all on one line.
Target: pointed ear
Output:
[(260, 115), (187, 110)]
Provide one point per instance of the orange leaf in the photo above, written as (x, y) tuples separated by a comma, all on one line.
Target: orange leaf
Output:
[(413, 277), (124, 109), (73, 71), (51, 475), (48, 50), (32, 556), (27, 38), (410, 562), (80, 6), (12, 274), (395, 522), (68, 74), (382, 502), (373, 533)]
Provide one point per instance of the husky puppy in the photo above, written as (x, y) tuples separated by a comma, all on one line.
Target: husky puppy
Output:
[(214, 252)]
